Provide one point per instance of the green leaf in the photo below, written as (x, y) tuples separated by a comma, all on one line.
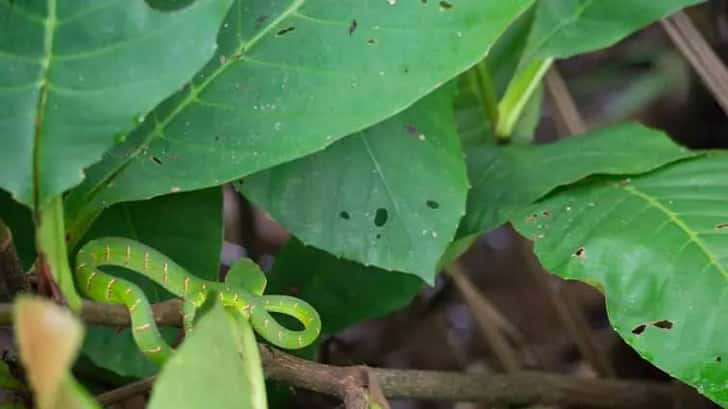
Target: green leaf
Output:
[(563, 28), (289, 79), (75, 73), (360, 200), (186, 227), (506, 179), (657, 245), (343, 292), (218, 366)]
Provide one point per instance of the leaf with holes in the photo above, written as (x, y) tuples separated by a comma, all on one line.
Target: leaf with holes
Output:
[(289, 79), (329, 283), (360, 199), (657, 245), (73, 74), (507, 179), (172, 224), (563, 28)]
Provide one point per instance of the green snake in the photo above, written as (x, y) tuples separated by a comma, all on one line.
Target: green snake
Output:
[(245, 297)]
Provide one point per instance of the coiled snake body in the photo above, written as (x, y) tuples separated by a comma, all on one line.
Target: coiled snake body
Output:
[(132, 255)]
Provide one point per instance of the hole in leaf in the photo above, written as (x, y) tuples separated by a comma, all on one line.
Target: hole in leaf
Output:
[(285, 31), (380, 218), (156, 160), (444, 5), (532, 218), (721, 226), (353, 26), (664, 324), (344, 215), (638, 330), (433, 204)]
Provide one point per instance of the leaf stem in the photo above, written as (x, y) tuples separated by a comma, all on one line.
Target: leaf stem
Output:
[(519, 91), (51, 243), (486, 92)]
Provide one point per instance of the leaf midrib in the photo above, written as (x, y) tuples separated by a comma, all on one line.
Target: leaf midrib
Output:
[(191, 97), (45, 64), (676, 220)]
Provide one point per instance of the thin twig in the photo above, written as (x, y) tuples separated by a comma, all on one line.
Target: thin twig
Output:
[(487, 318), (125, 392), (701, 56), (567, 113)]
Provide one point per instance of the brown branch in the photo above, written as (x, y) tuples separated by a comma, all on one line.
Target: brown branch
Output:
[(351, 383), (697, 51), (520, 388)]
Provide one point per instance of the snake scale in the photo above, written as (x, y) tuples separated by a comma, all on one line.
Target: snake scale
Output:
[(132, 255)]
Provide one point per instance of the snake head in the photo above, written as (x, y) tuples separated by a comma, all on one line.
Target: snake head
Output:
[(245, 274)]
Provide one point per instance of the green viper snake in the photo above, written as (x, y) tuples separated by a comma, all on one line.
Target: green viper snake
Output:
[(248, 300)]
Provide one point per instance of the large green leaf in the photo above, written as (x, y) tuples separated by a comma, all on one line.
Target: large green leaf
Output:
[(563, 28), (657, 245), (506, 179), (290, 78), (218, 366), (186, 227), (343, 292), (360, 199), (75, 73)]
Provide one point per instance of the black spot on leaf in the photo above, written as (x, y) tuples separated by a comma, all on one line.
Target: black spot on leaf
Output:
[(379, 236), (156, 160), (380, 217), (638, 330), (260, 20), (371, 41), (721, 226), (580, 253), (664, 324), (344, 215), (444, 5), (546, 213), (433, 204), (285, 31), (718, 359), (411, 129), (353, 26)]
